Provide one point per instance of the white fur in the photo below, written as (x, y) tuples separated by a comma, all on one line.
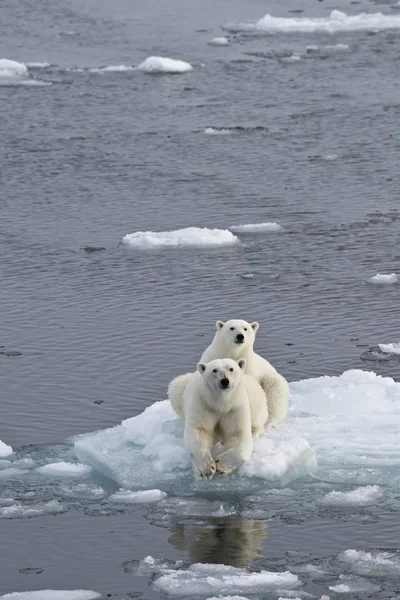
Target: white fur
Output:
[(273, 383), (214, 414)]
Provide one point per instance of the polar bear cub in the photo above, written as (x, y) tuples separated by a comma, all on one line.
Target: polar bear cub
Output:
[(235, 339), (219, 403)]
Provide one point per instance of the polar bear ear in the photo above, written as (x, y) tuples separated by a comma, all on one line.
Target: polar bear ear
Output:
[(255, 326), (201, 367), (219, 324), (242, 363)]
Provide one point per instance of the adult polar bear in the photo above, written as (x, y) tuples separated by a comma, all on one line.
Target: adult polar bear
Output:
[(220, 403), (235, 339)]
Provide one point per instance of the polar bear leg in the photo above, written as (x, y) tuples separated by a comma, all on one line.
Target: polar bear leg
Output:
[(238, 441), (176, 390), (199, 444), (277, 393)]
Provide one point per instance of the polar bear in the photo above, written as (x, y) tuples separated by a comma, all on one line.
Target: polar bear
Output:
[(218, 404), (235, 339), (255, 393)]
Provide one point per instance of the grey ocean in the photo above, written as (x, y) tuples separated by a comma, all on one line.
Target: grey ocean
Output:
[(292, 119)]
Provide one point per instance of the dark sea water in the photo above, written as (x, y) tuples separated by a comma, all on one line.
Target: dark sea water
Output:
[(92, 331)]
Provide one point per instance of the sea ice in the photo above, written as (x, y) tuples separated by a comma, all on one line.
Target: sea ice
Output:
[(201, 579), (390, 348), (219, 41), (351, 423), (362, 496), (147, 496), (112, 69), (375, 563), (19, 511), (383, 279), (353, 584), (159, 64), (12, 68), (256, 227), (52, 595), (216, 131), (64, 469), (189, 237), (338, 21), (5, 450)]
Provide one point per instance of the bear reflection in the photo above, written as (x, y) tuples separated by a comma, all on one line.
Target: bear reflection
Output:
[(231, 541)]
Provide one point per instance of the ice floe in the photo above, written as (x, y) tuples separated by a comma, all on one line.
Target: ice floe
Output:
[(350, 424), (188, 237), (5, 450), (384, 278), (160, 64), (338, 21), (256, 227), (64, 469)]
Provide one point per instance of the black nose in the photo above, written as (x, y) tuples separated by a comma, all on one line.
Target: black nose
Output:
[(224, 382), (240, 337)]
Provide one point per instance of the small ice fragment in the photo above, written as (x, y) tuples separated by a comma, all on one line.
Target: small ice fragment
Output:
[(361, 496), (189, 237), (64, 469), (146, 496), (256, 227), (390, 348), (159, 64), (52, 595), (5, 450), (219, 41), (383, 279)]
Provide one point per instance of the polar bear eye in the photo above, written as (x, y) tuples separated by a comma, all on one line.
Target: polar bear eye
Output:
[(245, 328), (232, 328), (215, 370), (231, 369)]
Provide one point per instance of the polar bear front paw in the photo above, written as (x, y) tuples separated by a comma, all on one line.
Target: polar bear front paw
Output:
[(205, 468), (227, 462)]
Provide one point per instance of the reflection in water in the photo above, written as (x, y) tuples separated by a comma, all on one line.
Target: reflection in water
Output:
[(231, 541)]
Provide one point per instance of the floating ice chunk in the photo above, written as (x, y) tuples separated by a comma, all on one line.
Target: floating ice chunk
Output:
[(19, 511), (217, 131), (64, 469), (219, 41), (112, 69), (354, 584), (291, 58), (159, 64), (353, 421), (383, 279), (12, 68), (52, 595), (376, 563), (337, 21), (202, 579), (228, 598), (5, 450), (5, 464), (331, 157), (362, 496), (256, 227), (189, 237), (390, 348), (83, 491), (148, 451), (38, 65), (146, 496)]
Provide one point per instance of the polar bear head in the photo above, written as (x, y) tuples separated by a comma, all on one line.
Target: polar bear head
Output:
[(236, 332), (223, 373)]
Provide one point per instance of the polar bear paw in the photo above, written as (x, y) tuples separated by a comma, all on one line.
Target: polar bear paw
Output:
[(205, 468), (227, 462)]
